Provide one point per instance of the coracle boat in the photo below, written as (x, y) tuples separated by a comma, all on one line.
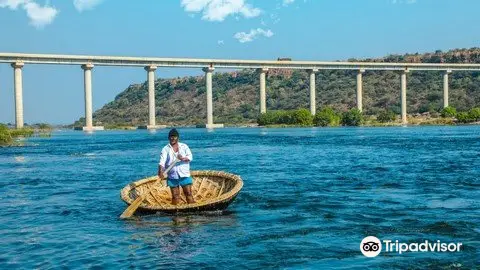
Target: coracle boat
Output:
[(212, 190)]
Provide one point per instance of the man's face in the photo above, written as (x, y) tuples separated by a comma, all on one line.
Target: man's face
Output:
[(173, 139)]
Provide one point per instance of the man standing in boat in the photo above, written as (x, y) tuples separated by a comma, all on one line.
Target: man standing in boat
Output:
[(179, 175)]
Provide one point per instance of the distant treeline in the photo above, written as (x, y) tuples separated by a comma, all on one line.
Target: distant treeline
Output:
[(353, 117), (182, 101)]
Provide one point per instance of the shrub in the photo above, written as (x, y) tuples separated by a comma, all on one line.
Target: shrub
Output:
[(294, 117), (354, 117), (463, 117), (448, 112), (474, 114), (386, 116), (5, 137), (285, 117), (302, 117), (327, 117), (21, 132), (270, 118)]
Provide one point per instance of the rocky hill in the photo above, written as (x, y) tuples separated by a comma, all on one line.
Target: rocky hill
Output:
[(182, 101)]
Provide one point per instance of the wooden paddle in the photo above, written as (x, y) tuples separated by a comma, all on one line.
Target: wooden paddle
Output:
[(136, 203)]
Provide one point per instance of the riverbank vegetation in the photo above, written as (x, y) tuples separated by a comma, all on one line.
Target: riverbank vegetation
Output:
[(119, 127), (8, 136), (328, 117)]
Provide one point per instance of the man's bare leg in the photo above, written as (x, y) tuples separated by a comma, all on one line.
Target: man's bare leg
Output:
[(187, 190), (175, 195)]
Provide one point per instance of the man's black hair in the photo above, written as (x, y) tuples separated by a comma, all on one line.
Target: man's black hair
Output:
[(173, 132)]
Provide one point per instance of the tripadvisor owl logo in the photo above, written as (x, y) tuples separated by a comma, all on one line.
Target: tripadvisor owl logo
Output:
[(370, 246)]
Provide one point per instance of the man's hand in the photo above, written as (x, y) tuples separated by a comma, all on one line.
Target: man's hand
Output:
[(160, 173), (185, 159), (162, 177)]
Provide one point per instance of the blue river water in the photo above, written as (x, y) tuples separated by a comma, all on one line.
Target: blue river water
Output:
[(310, 196)]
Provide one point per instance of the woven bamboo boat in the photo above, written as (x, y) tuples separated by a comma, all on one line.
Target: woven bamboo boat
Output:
[(212, 190)]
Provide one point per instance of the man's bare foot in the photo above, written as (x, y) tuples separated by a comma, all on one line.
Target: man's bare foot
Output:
[(190, 199), (175, 201)]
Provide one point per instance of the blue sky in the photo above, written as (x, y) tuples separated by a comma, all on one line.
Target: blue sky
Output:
[(236, 29)]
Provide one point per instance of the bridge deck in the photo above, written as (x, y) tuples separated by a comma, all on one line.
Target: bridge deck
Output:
[(221, 63)]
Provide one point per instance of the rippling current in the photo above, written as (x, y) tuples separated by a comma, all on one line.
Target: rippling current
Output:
[(310, 196)]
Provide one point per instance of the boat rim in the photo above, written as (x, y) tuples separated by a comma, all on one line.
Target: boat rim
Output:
[(222, 198)]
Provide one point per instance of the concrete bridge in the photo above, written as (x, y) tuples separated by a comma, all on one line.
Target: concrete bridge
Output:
[(150, 64)]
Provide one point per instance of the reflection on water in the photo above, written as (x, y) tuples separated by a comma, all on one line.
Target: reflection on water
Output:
[(178, 237), (19, 159), (310, 196), (146, 221)]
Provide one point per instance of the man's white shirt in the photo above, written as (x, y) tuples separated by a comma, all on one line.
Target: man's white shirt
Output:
[(167, 156)]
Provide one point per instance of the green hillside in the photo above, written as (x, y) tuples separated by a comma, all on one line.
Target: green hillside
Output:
[(182, 101)]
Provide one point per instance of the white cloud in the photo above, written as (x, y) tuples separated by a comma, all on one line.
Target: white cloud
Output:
[(39, 15), (288, 2), (220, 42), (218, 10), (82, 5), (12, 4), (254, 33)]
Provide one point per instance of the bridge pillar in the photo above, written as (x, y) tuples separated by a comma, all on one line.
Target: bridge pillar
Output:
[(312, 72), (208, 80), (151, 99), (404, 96), (18, 82), (445, 88), (87, 71), (360, 89), (263, 95)]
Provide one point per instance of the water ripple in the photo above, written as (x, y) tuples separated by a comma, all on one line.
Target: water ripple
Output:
[(310, 196)]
